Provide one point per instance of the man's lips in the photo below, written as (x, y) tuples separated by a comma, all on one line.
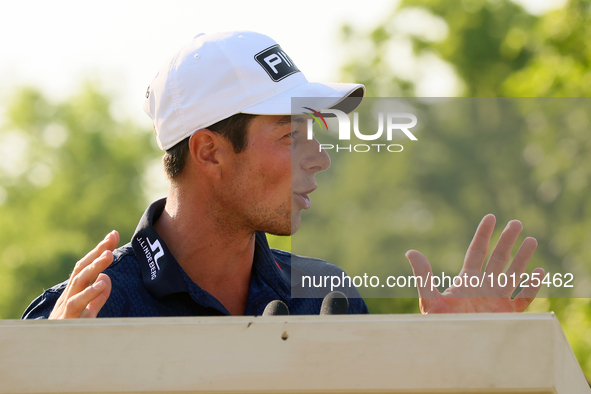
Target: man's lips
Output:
[(303, 199)]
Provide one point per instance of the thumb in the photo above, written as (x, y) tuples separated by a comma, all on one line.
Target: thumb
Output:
[(528, 294), (421, 268)]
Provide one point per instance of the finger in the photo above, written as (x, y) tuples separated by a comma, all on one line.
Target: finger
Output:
[(89, 274), (421, 268), (95, 305), (110, 242), (522, 258), (502, 251), (478, 248), (117, 239), (76, 304), (528, 294)]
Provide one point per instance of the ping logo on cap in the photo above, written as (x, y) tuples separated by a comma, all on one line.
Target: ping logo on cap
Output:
[(276, 63)]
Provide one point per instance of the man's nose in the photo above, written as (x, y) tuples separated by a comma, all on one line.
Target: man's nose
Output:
[(316, 159)]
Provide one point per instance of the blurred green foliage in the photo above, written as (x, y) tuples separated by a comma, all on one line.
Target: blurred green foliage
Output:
[(493, 48), (70, 174)]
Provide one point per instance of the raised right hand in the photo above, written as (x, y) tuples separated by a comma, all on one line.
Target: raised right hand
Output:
[(88, 288)]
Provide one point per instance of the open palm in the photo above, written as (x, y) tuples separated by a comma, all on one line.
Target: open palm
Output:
[(484, 292)]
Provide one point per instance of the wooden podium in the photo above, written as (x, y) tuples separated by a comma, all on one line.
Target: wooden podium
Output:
[(472, 353)]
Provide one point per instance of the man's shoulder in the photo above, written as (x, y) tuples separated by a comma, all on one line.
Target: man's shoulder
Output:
[(305, 264), (311, 278), (124, 261)]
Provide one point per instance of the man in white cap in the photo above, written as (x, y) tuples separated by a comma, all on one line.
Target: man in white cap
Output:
[(239, 165), (221, 109)]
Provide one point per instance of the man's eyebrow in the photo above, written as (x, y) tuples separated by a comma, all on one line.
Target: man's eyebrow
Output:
[(287, 119)]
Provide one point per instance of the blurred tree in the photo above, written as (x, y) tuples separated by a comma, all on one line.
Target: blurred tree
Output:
[(70, 174), (494, 47), (481, 48)]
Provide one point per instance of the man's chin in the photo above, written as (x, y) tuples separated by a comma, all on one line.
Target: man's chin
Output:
[(281, 233), (285, 232), (284, 228)]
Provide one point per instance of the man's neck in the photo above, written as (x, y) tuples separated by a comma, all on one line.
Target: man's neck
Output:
[(216, 257)]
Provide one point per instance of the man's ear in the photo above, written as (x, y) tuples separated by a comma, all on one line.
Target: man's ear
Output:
[(207, 151)]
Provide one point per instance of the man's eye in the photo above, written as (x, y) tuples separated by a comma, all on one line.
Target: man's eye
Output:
[(292, 135)]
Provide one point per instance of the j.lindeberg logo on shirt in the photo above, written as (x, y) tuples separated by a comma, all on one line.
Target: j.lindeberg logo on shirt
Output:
[(151, 258)]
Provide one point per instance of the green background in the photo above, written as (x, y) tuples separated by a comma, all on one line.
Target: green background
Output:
[(82, 173)]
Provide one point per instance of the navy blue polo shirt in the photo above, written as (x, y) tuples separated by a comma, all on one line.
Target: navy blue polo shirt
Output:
[(148, 281)]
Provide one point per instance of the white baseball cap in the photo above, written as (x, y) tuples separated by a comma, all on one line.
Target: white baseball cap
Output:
[(218, 75)]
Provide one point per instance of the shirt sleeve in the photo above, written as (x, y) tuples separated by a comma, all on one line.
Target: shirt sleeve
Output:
[(42, 306)]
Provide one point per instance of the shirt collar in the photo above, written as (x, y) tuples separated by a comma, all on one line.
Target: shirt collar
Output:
[(266, 265), (162, 275), (160, 270)]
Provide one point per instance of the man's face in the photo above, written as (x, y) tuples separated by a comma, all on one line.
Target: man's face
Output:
[(269, 182)]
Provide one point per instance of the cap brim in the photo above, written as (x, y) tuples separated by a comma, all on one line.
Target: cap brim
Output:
[(342, 96)]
